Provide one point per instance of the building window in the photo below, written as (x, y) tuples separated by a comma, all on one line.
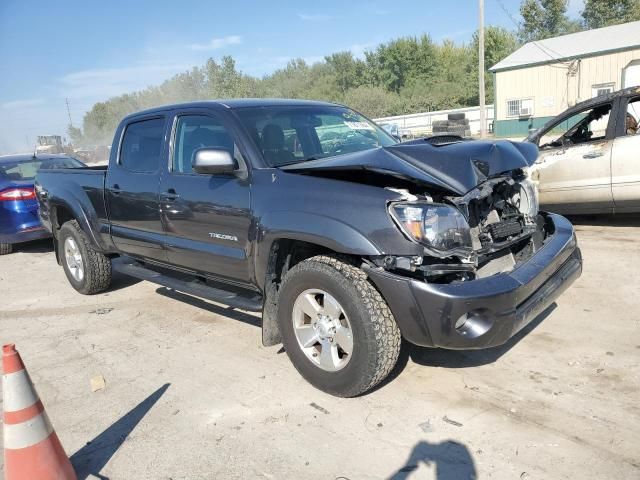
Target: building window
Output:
[(522, 107), (602, 89)]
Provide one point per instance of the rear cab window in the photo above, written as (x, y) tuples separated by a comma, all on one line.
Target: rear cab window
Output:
[(142, 143)]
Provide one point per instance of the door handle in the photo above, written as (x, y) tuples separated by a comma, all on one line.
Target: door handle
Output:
[(593, 155), (115, 189), (170, 195)]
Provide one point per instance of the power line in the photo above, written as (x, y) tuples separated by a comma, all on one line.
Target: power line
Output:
[(545, 49)]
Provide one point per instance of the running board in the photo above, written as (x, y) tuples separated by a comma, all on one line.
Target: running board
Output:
[(192, 287)]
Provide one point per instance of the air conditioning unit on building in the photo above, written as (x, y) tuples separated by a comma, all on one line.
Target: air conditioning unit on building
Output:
[(526, 111)]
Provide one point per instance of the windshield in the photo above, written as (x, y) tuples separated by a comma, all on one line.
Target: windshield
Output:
[(294, 134), (27, 169)]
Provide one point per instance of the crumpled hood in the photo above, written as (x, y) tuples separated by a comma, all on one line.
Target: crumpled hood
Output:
[(458, 167)]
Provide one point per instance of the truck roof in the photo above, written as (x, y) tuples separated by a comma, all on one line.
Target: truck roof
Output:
[(237, 103)]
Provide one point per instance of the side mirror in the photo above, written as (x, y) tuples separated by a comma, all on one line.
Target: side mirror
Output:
[(213, 161)]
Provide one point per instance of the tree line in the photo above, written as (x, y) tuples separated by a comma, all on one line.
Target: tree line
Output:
[(405, 75)]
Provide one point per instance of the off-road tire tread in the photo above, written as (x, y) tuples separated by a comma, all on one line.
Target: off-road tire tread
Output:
[(98, 265), (5, 248), (387, 334)]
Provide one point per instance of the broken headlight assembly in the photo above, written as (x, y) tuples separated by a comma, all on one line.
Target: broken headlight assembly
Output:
[(526, 198), (441, 228)]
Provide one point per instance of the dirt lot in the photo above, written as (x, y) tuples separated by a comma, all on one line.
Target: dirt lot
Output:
[(191, 393)]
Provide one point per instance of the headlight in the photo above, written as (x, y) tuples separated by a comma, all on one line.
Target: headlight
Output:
[(526, 198), (440, 227)]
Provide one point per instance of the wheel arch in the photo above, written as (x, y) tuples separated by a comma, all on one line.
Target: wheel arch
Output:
[(62, 212)]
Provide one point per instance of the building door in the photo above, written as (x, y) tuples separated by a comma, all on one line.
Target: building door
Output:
[(631, 75)]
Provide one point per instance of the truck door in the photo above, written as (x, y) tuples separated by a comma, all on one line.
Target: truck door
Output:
[(574, 167), (206, 217), (625, 159), (132, 190)]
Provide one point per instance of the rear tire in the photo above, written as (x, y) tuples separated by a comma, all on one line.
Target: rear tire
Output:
[(374, 335), (87, 270), (6, 248)]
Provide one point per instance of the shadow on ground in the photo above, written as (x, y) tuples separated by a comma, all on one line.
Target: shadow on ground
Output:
[(120, 280), (35, 246), (451, 461), (439, 357), (91, 459), (229, 312)]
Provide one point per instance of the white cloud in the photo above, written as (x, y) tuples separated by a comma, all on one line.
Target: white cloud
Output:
[(107, 82), (317, 17), (216, 43), (358, 49), (17, 104)]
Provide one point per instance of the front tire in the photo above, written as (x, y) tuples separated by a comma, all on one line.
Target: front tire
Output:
[(336, 328), (87, 270), (5, 248)]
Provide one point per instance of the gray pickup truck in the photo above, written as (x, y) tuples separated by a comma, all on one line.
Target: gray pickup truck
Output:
[(346, 240)]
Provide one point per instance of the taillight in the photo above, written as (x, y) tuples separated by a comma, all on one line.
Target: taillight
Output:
[(18, 194)]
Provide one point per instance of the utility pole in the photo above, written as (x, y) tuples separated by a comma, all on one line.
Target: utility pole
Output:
[(483, 110), (69, 112)]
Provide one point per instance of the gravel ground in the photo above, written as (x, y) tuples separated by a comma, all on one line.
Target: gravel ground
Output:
[(191, 393)]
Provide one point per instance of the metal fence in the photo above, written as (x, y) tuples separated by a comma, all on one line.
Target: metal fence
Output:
[(421, 123)]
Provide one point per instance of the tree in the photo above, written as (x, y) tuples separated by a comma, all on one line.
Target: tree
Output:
[(602, 13), (75, 135), (347, 70), (374, 102), (545, 18)]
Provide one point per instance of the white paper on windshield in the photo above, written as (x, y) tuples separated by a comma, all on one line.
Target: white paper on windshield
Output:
[(358, 125)]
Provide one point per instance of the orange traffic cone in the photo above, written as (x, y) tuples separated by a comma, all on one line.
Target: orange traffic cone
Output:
[(31, 447)]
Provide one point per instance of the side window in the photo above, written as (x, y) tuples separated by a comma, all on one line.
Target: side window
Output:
[(632, 117), (194, 132), (586, 126), (142, 145)]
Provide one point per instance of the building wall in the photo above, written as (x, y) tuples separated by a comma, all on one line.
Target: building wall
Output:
[(554, 87)]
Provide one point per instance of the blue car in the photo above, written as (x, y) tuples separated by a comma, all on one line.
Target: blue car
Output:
[(18, 204)]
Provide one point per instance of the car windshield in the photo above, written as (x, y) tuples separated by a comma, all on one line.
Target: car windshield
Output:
[(294, 134), (27, 169)]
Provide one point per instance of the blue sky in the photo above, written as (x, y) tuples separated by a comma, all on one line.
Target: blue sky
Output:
[(88, 51)]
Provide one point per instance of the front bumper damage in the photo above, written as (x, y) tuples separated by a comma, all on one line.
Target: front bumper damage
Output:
[(488, 311)]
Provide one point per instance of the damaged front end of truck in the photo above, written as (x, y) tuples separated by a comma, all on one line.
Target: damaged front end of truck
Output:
[(490, 260)]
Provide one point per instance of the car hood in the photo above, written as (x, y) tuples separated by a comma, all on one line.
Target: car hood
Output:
[(457, 167)]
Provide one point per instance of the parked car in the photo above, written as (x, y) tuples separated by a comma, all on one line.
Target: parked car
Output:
[(589, 159), (345, 249), (397, 132), (19, 220)]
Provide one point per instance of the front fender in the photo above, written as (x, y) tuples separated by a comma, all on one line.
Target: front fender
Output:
[(308, 227)]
